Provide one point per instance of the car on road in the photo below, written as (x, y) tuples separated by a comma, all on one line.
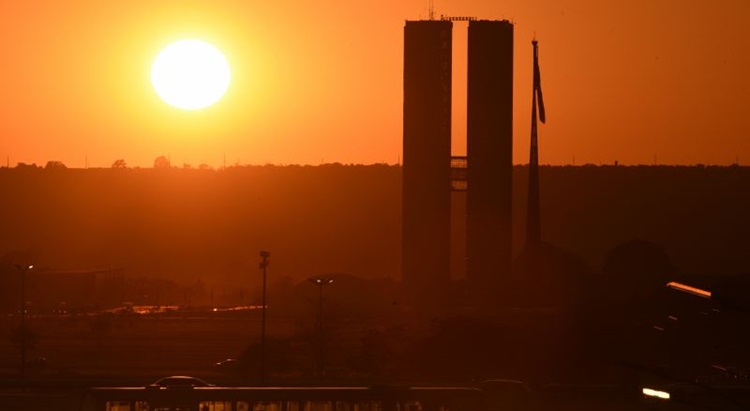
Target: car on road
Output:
[(180, 381), (228, 365)]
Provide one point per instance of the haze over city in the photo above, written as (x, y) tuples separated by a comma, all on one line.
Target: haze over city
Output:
[(639, 83)]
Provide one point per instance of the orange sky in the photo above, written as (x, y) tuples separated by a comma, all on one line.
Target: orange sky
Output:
[(321, 81)]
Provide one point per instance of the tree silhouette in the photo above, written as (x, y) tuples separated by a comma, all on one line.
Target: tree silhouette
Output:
[(162, 162), (637, 268), (119, 163), (55, 165)]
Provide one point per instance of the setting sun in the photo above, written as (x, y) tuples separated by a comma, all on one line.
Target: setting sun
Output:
[(190, 74)]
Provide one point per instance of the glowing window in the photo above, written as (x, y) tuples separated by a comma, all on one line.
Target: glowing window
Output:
[(215, 406), (118, 406)]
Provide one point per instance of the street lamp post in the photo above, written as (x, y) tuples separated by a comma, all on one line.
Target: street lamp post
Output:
[(23, 269), (320, 282), (264, 255)]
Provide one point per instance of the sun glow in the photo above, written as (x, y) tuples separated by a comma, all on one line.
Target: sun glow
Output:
[(190, 74)]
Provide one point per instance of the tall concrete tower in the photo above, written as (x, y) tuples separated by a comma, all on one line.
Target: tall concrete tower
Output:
[(490, 157), (426, 160)]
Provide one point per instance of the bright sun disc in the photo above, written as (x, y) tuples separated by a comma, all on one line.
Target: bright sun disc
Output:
[(190, 74)]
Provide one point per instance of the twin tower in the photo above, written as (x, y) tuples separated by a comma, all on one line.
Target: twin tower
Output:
[(429, 174)]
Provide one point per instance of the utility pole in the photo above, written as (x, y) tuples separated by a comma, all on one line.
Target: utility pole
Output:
[(320, 282), (264, 255), (23, 269)]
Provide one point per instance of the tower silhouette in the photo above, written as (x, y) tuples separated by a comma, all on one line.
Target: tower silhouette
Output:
[(427, 158), (489, 157)]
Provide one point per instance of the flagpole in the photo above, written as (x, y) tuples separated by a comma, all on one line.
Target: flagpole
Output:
[(533, 217)]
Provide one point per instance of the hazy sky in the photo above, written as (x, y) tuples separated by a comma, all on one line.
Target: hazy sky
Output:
[(634, 81)]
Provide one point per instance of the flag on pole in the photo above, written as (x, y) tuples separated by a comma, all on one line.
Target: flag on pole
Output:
[(538, 84)]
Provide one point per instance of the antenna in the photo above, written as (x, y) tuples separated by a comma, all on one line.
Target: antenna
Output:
[(431, 10)]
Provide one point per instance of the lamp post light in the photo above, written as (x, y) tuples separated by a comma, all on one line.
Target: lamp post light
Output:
[(264, 255), (23, 269), (320, 282)]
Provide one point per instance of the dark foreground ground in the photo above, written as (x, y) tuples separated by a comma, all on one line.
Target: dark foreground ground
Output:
[(80, 352), (68, 395)]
